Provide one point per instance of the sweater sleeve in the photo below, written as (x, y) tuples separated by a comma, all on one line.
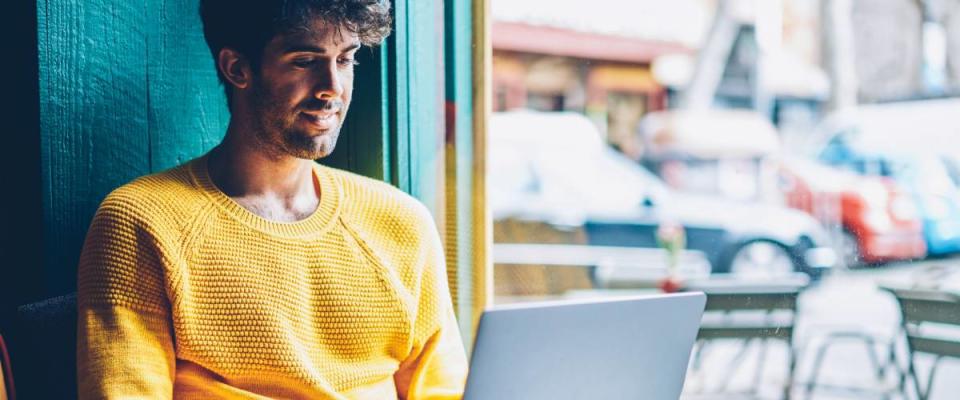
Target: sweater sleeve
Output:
[(437, 367), (124, 342)]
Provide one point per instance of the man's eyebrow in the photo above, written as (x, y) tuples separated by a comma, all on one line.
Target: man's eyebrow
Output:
[(305, 48)]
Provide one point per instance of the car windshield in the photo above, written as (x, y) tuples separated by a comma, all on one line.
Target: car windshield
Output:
[(572, 170)]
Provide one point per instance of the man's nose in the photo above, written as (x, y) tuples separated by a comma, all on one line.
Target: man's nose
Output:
[(328, 81)]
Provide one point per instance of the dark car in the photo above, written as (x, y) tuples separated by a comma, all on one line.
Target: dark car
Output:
[(553, 169)]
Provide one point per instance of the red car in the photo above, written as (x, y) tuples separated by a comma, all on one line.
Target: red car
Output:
[(874, 220)]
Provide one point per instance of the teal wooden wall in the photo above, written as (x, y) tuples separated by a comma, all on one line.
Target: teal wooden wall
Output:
[(126, 88), (416, 100)]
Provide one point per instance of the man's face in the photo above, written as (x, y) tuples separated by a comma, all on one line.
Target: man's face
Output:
[(301, 93)]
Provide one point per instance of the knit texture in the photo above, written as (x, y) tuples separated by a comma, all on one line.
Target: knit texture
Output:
[(183, 293)]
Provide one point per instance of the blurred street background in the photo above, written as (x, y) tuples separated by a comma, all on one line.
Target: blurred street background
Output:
[(805, 148)]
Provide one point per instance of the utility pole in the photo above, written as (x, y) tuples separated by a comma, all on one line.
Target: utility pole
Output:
[(837, 57), (708, 70), (934, 69), (837, 47), (768, 31)]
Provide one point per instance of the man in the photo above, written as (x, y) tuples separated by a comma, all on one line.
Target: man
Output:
[(252, 272)]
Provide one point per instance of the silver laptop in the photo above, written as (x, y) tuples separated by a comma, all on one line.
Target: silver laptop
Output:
[(624, 348)]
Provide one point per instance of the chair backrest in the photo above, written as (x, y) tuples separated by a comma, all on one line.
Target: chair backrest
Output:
[(748, 309), (43, 348), (752, 300), (931, 320), (732, 294), (925, 305)]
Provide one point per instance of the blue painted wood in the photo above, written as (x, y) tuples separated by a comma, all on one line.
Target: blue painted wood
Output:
[(187, 112), (126, 88), (418, 42), (399, 97), (93, 107)]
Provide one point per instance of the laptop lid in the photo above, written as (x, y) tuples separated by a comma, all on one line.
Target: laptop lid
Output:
[(624, 348)]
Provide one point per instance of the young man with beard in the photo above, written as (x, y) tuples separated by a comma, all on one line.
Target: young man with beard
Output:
[(252, 272)]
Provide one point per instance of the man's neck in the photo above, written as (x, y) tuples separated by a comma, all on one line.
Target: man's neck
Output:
[(277, 187)]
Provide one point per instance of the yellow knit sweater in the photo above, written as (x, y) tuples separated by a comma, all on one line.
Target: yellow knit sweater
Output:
[(185, 294)]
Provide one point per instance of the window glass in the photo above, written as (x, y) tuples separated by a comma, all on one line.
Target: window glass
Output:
[(810, 147)]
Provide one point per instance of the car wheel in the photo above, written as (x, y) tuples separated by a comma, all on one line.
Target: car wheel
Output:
[(761, 260), (850, 249)]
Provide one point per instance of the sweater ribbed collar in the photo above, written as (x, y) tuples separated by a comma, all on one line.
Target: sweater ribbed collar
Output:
[(318, 222)]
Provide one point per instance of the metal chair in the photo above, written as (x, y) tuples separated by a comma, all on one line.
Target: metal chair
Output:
[(870, 342), (730, 302), (931, 325)]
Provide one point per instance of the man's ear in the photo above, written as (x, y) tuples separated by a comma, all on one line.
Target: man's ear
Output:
[(234, 67)]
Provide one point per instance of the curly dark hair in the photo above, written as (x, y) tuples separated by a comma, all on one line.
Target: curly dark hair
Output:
[(248, 25)]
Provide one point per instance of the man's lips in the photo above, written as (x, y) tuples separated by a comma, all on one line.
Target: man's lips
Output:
[(321, 120)]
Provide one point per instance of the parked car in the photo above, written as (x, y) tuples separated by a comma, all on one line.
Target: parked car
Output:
[(554, 169), (924, 177), (875, 221)]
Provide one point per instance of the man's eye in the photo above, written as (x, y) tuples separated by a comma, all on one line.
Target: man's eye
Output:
[(304, 63), (347, 62)]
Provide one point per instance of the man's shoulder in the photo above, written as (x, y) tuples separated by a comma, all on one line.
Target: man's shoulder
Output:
[(370, 198), (363, 190), (164, 192)]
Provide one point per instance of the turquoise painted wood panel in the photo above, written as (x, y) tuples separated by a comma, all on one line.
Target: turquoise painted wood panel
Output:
[(418, 42), (126, 88), (399, 97), (93, 126), (187, 111)]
